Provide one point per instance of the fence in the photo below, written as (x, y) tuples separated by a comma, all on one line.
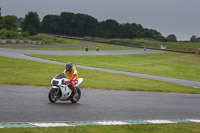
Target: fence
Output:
[(21, 41)]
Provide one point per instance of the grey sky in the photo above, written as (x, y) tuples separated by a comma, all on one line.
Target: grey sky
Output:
[(179, 17)]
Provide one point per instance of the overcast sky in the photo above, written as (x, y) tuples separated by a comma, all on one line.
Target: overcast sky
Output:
[(179, 17)]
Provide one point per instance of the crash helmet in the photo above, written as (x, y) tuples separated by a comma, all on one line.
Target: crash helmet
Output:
[(69, 66)]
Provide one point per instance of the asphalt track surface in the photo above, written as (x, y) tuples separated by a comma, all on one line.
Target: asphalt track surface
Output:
[(31, 104)]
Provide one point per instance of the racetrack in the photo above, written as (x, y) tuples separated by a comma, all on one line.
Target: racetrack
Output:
[(17, 53), (31, 104)]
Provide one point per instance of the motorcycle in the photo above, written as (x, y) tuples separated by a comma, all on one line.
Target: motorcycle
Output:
[(61, 91)]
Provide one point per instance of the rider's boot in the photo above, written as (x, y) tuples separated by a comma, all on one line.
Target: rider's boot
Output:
[(72, 87), (73, 90)]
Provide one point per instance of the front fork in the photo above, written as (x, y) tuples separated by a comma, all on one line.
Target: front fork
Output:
[(56, 93)]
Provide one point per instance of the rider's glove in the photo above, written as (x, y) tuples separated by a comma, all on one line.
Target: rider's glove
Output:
[(67, 82)]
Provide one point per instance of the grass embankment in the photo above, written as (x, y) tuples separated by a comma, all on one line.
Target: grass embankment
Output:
[(150, 43), (168, 64), (92, 46), (74, 44), (184, 46), (23, 72), (153, 128), (51, 41), (62, 41), (102, 46)]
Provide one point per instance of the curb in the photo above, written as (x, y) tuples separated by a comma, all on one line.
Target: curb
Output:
[(67, 124)]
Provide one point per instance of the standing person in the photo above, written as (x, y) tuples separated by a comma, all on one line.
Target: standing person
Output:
[(72, 75), (97, 48), (86, 48)]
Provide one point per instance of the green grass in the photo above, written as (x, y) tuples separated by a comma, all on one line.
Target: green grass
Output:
[(104, 46), (56, 41), (62, 41), (14, 44), (150, 43), (65, 41), (178, 44), (168, 64), (67, 48), (23, 72), (151, 128), (91, 48)]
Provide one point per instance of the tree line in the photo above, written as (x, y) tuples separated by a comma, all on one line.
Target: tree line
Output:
[(79, 25), (12, 27), (194, 38)]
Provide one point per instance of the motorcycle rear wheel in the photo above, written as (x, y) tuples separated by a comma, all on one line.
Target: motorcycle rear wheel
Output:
[(76, 96), (54, 95)]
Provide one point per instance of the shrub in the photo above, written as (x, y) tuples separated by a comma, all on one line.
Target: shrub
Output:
[(25, 34), (8, 34)]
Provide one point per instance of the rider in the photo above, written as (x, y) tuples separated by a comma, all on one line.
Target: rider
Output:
[(72, 74)]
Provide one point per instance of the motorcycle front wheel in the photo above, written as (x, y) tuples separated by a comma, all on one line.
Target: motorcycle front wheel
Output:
[(54, 95), (76, 95)]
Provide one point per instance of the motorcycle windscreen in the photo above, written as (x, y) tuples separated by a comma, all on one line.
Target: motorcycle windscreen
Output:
[(80, 80), (59, 76)]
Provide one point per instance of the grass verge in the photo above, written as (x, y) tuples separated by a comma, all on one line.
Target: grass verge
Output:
[(55, 41), (82, 48), (151, 128), (62, 41), (50, 40), (150, 43), (102, 46), (167, 64), (23, 72)]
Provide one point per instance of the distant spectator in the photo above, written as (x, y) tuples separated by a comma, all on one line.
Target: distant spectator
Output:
[(86, 48), (97, 48)]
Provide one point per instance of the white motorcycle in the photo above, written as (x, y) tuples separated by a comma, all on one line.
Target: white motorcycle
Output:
[(61, 91)]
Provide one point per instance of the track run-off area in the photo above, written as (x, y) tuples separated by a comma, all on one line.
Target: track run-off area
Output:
[(30, 104)]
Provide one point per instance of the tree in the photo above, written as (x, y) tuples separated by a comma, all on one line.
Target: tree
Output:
[(198, 39), (109, 29), (50, 24), (10, 22), (171, 37), (67, 22), (127, 31), (193, 38), (72, 24), (86, 25), (20, 21), (4, 34), (1, 20), (31, 23)]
